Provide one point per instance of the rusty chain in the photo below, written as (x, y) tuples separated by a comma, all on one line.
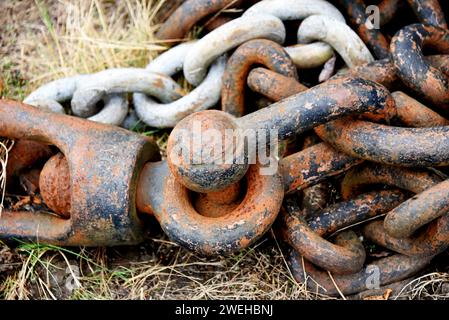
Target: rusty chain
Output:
[(376, 130)]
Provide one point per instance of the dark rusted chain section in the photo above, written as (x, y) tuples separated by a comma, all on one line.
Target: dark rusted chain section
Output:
[(414, 147), (384, 72), (339, 216), (413, 69), (348, 255), (294, 115), (277, 87), (440, 62), (412, 113), (189, 13), (433, 240), (312, 165), (316, 197), (360, 208), (259, 51), (377, 142), (430, 203), (169, 201), (273, 85), (388, 9), (392, 269), (102, 210), (356, 10), (429, 12), (411, 179)]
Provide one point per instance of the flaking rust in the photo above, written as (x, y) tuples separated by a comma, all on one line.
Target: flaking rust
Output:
[(102, 180), (253, 52)]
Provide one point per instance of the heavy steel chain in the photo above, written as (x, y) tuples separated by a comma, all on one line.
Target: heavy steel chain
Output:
[(324, 109)]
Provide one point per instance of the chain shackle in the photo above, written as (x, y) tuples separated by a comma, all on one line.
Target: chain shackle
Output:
[(102, 179), (160, 194), (291, 116)]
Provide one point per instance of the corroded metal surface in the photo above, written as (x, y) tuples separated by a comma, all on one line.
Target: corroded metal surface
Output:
[(316, 197), (54, 183), (24, 154), (429, 205), (356, 10), (406, 51), (188, 14), (388, 9), (355, 210), (346, 256), (420, 147), (169, 201), (429, 12), (313, 165), (410, 179), (432, 240), (103, 179), (296, 114), (261, 52), (391, 269), (273, 85)]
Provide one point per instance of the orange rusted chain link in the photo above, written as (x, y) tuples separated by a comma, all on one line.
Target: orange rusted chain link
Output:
[(188, 14), (306, 238), (259, 51), (316, 197)]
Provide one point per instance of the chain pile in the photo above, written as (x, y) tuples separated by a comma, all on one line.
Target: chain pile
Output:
[(354, 116)]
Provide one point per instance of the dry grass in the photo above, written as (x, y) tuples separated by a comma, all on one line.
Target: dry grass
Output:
[(63, 38), (45, 40), (5, 146)]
